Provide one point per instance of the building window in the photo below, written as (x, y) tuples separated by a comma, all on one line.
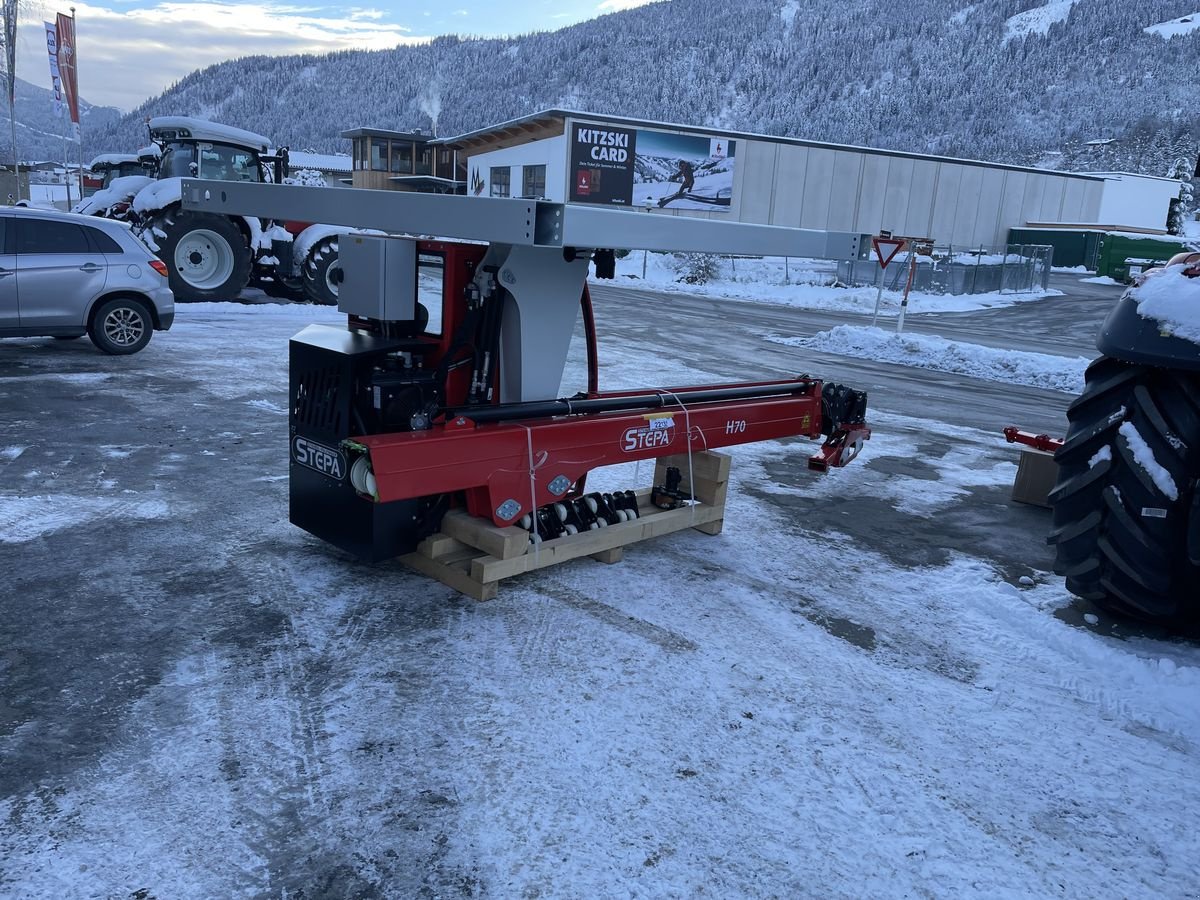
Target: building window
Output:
[(445, 158), (379, 155), (501, 181), (402, 157), (534, 182), (425, 161)]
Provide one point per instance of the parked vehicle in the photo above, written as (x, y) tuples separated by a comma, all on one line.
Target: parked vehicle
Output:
[(64, 275), (214, 257), (1127, 502)]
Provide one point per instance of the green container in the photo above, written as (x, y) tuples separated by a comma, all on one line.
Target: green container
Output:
[(1071, 248), (1120, 251)]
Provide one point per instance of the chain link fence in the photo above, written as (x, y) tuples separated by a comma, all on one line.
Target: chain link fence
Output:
[(1008, 268)]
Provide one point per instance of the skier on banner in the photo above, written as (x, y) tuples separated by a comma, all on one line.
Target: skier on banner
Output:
[(687, 175)]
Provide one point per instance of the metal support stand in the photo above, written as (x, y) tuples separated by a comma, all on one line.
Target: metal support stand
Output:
[(912, 270), (878, 296)]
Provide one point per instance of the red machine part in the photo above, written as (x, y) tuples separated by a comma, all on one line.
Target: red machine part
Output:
[(1044, 442), (508, 468)]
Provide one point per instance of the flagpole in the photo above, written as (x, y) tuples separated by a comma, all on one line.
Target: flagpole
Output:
[(10, 51), (79, 130)]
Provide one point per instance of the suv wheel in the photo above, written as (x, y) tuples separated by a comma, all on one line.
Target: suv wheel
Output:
[(121, 326)]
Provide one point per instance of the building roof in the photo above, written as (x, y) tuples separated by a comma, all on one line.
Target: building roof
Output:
[(535, 124), (415, 135), (325, 162)]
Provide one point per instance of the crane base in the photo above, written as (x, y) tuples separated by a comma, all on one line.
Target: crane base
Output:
[(473, 556)]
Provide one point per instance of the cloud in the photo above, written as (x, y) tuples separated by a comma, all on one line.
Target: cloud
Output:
[(127, 56)]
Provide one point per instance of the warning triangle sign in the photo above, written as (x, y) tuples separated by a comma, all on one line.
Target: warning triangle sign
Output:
[(886, 249)]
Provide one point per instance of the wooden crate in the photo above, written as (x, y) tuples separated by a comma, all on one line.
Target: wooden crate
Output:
[(473, 556)]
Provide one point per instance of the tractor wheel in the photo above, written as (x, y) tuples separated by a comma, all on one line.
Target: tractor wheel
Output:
[(1126, 506), (206, 255), (322, 273)]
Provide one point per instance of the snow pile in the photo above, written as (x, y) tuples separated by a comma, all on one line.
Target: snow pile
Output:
[(1182, 25), (307, 178), (112, 159), (1037, 20), (1173, 300), (1058, 373), (158, 195), (121, 190), (798, 283), (1144, 457)]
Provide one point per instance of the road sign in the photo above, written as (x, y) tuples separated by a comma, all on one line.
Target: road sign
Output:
[(886, 249)]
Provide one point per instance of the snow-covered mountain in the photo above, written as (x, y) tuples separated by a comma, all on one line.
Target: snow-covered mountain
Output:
[(40, 131), (1005, 80)]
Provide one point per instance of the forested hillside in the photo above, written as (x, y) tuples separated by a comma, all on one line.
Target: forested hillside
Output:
[(1004, 80), (40, 131)]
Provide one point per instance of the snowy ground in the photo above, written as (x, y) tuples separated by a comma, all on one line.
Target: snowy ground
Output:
[(799, 283), (1058, 373), (868, 685)]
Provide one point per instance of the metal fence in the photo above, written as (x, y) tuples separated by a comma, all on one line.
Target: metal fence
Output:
[(1009, 268)]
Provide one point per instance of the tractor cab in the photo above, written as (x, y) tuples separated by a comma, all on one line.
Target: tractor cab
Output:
[(194, 148), (107, 167)]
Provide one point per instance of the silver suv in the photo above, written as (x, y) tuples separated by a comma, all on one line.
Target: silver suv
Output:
[(63, 275)]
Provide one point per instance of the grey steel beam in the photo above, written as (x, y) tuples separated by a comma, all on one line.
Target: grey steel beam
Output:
[(642, 229), (395, 212), (508, 221)]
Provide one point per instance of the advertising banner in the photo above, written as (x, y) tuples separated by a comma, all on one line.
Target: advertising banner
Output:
[(639, 167), (55, 78), (602, 161), (65, 26)]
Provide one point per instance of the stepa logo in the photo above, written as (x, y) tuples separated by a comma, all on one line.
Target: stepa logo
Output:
[(318, 457), (658, 432)]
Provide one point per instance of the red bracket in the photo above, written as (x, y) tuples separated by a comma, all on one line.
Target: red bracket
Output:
[(840, 448), (1044, 442)]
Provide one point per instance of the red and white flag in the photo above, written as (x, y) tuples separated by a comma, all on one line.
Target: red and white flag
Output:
[(67, 68)]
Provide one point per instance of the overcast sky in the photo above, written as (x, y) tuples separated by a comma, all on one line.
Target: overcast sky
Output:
[(131, 50)]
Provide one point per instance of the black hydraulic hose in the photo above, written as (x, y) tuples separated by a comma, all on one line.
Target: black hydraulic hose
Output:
[(540, 409)]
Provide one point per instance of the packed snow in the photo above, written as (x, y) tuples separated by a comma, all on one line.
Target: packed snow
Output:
[(157, 195), (1144, 457), (1173, 300), (120, 190), (799, 283), (1037, 20), (925, 351), (1175, 27), (780, 710)]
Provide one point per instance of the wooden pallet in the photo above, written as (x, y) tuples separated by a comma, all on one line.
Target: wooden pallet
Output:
[(473, 556)]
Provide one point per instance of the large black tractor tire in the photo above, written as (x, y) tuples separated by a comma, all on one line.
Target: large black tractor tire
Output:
[(322, 273), (206, 255), (1126, 528)]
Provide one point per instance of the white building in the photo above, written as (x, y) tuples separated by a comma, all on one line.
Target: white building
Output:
[(571, 156)]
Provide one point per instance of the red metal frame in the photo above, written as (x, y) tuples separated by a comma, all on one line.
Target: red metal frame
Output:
[(494, 463), (510, 466)]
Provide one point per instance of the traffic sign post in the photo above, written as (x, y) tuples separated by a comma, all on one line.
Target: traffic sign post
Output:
[(920, 247), (886, 247)]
